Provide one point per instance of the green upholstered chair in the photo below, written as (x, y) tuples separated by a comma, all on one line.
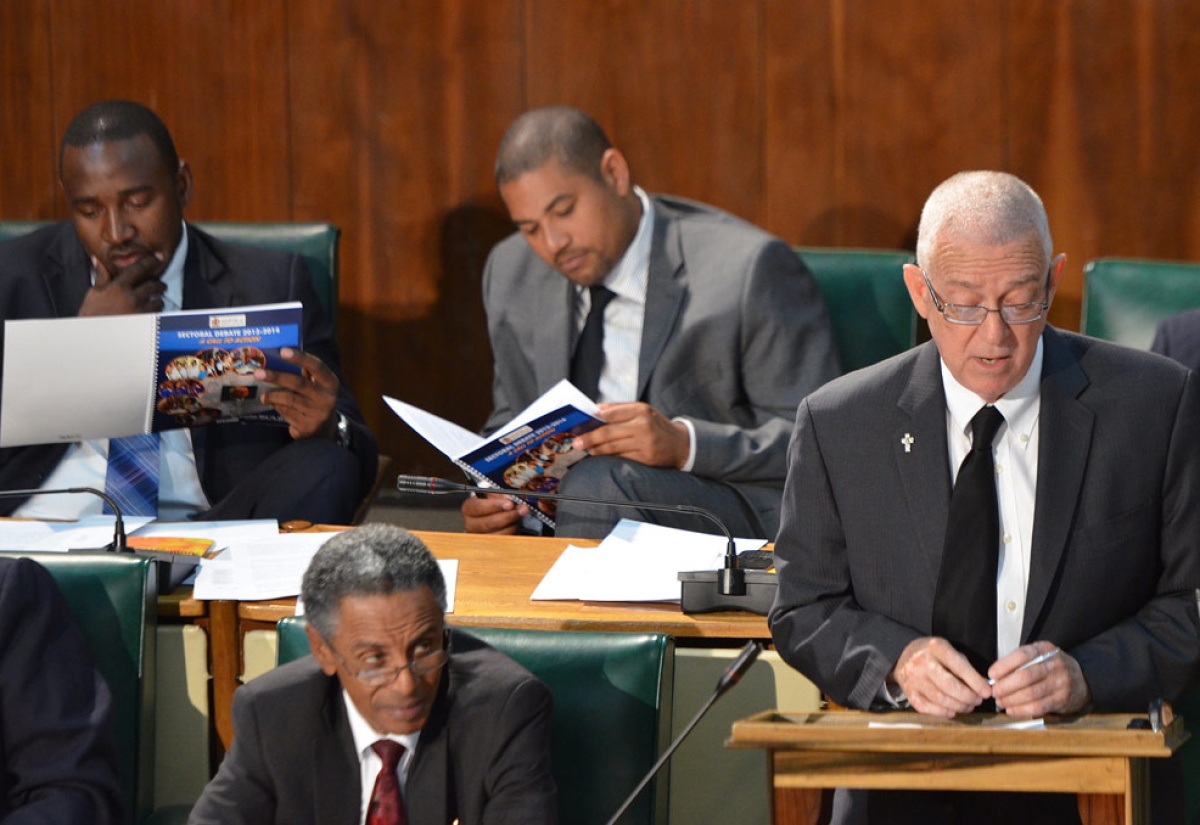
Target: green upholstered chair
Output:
[(113, 599), (873, 317), (611, 715), (317, 243), (1125, 298)]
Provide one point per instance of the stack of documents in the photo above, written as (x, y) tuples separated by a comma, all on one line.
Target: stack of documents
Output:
[(636, 562)]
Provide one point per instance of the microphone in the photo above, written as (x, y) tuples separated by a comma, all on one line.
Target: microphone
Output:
[(731, 579), (732, 675), (118, 543)]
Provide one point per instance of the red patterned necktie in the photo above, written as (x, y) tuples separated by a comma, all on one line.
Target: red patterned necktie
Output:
[(387, 806)]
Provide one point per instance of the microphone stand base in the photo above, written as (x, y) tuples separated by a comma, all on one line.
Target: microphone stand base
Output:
[(701, 592)]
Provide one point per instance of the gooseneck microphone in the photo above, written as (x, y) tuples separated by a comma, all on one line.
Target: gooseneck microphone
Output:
[(118, 542), (732, 675), (731, 578)]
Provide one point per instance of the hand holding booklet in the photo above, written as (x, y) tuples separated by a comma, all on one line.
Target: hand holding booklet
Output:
[(532, 452)]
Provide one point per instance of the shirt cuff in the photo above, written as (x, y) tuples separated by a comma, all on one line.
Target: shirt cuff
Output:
[(691, 458)]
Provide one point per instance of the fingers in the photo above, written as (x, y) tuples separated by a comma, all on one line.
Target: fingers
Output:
[(938, 680), (1028, 687), (136, 288), (492, 514), (638, 432), (308, 400)]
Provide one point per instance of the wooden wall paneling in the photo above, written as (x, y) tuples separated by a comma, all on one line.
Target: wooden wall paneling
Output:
[(397, 109), (1105, 121), (28, 181), (675, 83), (214, 70), (803, 61)]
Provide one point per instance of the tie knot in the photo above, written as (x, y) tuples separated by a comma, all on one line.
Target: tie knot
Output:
[(984, 426), (390, 752), (601, 295)]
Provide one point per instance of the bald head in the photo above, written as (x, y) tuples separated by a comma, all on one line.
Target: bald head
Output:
[(987, 208), (560, 132)]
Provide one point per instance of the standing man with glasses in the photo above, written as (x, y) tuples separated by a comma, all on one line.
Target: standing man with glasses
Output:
[(1003, 492), (395, 719)]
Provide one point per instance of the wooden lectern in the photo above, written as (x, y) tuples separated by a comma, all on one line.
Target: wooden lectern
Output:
[(1097, 756)]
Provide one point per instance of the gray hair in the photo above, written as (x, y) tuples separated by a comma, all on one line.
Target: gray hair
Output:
[(372, 560), (561, 132), (993, 208)]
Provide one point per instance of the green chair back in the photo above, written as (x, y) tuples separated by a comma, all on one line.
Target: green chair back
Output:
[(873, 317), (113, 599), (1124, 299), (611, 711), (316, 243)]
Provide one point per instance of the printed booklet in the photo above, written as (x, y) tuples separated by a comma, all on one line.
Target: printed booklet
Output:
[(70, 379), (531, 453)]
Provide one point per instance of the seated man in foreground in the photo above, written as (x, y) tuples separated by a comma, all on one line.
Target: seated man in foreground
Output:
[(464, 730), (1004, 491), (697, 332), (126, 250), (58, 762)]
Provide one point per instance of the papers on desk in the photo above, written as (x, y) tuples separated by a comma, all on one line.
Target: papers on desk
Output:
[(636, 562), (92, 532), (993, 723)]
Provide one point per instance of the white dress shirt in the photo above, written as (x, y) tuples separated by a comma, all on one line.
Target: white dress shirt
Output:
[(85, 463), (624, 318), (369, 763), (1015, 452)]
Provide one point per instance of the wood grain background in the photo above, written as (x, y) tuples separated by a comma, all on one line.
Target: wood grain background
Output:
[(826, 121)]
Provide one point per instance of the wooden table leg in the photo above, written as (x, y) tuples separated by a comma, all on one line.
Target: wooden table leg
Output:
[(226, 666)]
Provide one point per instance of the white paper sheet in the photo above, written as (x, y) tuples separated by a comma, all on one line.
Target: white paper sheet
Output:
[(636, 562), (92, 532), (69, 379)]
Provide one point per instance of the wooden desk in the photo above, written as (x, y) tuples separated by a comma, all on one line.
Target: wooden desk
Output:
[(496, 575), (1094, 756)]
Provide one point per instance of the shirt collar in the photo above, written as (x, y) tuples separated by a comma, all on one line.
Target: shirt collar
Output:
[(628, 278), (172, 276), (1019, 406), (365, 736)]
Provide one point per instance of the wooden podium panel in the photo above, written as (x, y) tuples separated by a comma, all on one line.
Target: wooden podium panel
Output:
[(1096, 756)]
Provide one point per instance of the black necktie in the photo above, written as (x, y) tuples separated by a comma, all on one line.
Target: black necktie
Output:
[(964, 605), (588, 358)]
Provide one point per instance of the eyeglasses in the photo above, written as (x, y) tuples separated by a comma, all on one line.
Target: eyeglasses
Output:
[(418, 667), (973, 316)]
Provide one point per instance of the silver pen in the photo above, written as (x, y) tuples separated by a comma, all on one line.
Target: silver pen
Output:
[(1036, 660)]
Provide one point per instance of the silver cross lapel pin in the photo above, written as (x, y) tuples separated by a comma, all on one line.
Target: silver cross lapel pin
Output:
[(907, 441)]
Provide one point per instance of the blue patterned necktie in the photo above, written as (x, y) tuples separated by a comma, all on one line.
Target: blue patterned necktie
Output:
[(132, 477)]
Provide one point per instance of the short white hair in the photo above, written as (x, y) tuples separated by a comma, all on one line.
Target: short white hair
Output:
[(991, 208)]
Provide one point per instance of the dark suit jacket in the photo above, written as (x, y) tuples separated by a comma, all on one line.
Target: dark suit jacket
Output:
[(483, 756), (58, 762), (46, 274), (735, 334), (1114, 570), (1178, 337)]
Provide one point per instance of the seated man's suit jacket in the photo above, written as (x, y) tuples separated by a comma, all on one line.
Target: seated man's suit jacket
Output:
[(735, 334), (1178, 337), (47, 274), (483, 756), (58, 762)]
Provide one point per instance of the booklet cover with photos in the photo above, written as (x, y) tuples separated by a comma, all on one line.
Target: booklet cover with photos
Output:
[(70, 379), (532, 452)]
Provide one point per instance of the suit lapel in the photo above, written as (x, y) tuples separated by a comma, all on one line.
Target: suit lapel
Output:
[(431, 786), (925, 470), (1064, 439), (68, 276), (336, 783), (666, 287), (553, 330), (206, 281)]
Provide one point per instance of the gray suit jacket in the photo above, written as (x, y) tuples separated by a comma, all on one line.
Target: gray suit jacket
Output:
[(735, 334), (483, 756), (1114, 570), (1178, 337)]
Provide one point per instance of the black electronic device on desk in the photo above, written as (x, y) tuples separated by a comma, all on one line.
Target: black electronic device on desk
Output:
[(733, 587)]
